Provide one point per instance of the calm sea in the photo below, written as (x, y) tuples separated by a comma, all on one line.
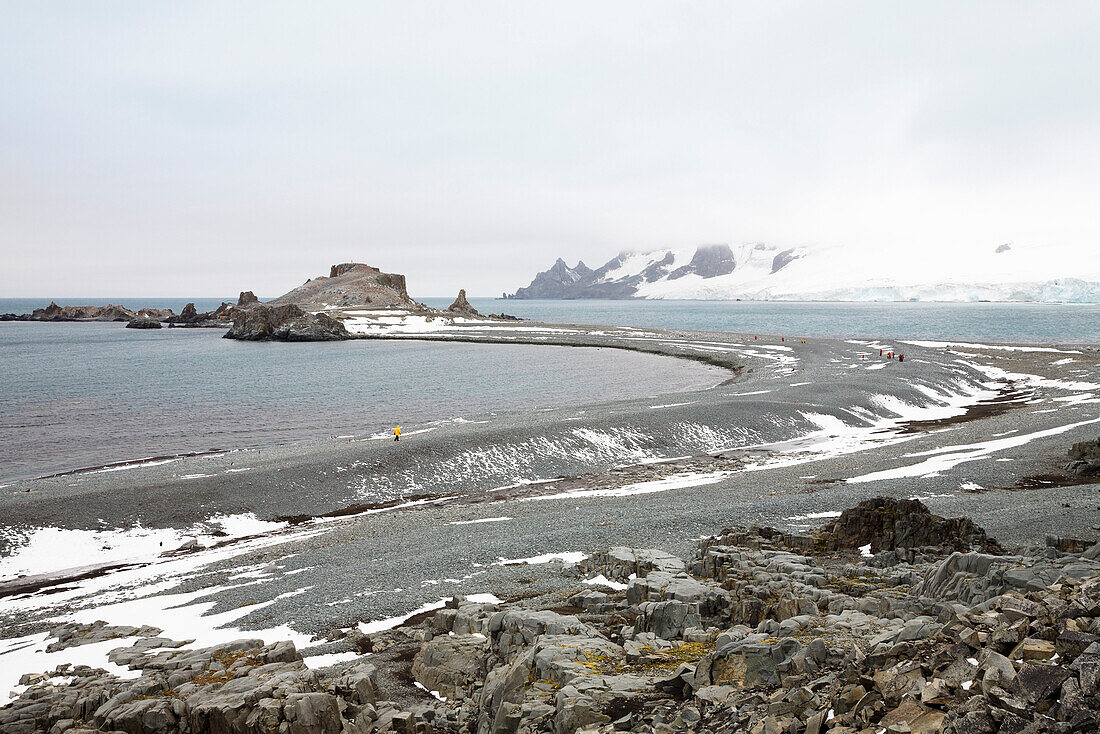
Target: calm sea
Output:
[(77, 395), (1047, 323), (80, 395)]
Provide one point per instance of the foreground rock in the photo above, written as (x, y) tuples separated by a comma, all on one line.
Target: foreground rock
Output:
[(285, 323), (761, 631)]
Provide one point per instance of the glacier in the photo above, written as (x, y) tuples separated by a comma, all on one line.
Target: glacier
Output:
[(764, 272)]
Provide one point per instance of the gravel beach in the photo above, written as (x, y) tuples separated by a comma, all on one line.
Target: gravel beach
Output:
[(363, 528)]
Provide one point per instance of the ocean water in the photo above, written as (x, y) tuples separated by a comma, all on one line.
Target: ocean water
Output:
[(1046, 323), (75, 395)]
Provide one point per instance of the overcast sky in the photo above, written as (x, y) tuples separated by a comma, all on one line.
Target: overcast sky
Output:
[(197, 149)]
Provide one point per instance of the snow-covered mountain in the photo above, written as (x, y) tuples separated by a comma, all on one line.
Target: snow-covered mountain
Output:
[(766, 272)]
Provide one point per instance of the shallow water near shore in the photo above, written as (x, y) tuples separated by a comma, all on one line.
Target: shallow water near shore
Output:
[(83, 395), (1039, 323)]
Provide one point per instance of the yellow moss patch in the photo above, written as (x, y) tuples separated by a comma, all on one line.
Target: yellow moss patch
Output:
[(227, 660), (652, 662)]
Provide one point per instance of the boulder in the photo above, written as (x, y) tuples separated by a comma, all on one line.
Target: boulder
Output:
[(1086, 450), (285, 323), (667, 619), (451, 664), (143, 322)]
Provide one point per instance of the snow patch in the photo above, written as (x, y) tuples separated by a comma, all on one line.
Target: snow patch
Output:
[(602, 580)]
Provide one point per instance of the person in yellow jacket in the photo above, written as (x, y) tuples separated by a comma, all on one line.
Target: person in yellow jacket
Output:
[(397, 433)]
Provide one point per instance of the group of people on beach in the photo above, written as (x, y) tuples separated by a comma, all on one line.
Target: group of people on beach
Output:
[(889, 355)]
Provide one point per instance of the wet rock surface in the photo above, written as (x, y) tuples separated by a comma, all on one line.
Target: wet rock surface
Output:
[(144, 322), (285, 323), (760, 631)]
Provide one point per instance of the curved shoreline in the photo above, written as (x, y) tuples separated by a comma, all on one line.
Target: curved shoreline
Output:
[(798, 438), (475, 456), (311, 428)]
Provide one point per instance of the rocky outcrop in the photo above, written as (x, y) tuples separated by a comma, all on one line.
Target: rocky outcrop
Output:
[(760, 631), (462, 306), (53, 312), (188, 316), (157, 314), (1085, 458), (348, 285), (885, 524), (285, 323), (143, 322), (220, 317)]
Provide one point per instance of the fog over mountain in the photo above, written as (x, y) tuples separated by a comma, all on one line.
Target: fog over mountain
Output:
[(765, 272)]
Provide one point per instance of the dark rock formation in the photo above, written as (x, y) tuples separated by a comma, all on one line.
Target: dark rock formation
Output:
[(709, 261), (783, 259), (53, 312), (188, 315), (462, 306), (143, 322), (247, 298), (349, 284), (157, 314), (220, 317), (886, 523), (285, 323)]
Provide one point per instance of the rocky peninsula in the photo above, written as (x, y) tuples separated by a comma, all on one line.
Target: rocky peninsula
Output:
[(314, 311)]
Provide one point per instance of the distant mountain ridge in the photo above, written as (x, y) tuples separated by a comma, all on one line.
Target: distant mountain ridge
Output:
[(760, 271)]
